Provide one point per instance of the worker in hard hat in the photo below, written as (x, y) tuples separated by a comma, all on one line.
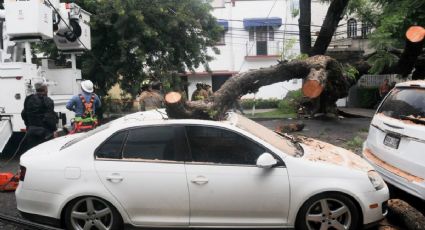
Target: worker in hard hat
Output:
[(84, 105), (200, 93), (150, 98)]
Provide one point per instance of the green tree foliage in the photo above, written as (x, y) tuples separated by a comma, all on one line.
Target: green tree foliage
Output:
[(391, 19), (134, 39)]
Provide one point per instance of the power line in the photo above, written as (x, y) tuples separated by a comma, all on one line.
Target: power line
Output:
[(266, 23), (89, 51), (243, 62)]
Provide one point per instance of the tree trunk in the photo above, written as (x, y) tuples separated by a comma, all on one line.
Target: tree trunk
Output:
[(409, 57), (222, 100), (333, 16), (304, 25), (405, 215)]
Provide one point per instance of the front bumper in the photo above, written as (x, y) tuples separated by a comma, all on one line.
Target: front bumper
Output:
[(400, 179), (374, 214)]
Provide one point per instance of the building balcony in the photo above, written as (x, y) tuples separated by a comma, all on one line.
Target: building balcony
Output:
[(263, 49)]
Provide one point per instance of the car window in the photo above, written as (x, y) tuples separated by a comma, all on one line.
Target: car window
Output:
[(112, 147), (150, 143), (403, 103), (221, 146)]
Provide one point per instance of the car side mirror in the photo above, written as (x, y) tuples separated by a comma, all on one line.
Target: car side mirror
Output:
[(266, 160)]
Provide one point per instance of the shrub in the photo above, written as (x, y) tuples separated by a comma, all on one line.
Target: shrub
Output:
[(368, 97), (260, 103), (290, 103)]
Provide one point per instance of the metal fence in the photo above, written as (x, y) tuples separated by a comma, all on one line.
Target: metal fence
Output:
[(376, 80)]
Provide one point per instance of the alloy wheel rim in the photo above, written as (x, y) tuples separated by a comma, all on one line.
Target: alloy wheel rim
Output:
[(91, 213), (328, 214)]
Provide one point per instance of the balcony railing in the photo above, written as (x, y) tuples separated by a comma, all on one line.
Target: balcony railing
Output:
[(263, 48)]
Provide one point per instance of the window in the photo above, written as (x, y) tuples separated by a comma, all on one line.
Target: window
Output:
[(222, 40), (352, 28), (251, 33), (271, 34), (220, 146), (150, 143), (261, 35), (365, 29), (405, 104), (112, 147)]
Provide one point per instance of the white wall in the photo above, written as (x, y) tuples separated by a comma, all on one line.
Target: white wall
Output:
[(232, 57)]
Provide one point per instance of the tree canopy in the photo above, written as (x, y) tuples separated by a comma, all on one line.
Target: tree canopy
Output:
[(391, 19), (132, 40)]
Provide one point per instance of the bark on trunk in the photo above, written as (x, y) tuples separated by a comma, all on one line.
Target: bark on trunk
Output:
[(289, 128), (333, 16), (405, 215), (304, 24), (223, 99), (409, 57)]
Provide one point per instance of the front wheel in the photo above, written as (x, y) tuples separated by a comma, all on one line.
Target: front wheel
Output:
[(328, 211), (92, 213)]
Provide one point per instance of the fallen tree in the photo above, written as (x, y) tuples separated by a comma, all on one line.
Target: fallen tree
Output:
[(322, 74), (405, 215)]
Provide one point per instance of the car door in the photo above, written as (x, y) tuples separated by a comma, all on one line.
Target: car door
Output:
[(225, 186), (142, 169)]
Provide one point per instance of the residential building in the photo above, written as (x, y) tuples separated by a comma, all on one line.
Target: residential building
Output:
[(258, 33)]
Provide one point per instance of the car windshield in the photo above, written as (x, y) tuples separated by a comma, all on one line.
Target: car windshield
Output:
[(405, 104), (282, 143), (85, 135)]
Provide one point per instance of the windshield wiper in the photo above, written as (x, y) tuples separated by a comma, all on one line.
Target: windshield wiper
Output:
[(297, 144), (416, 120)]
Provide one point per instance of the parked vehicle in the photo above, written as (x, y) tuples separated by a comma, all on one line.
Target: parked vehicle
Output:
[(149, 171), (396, 141)]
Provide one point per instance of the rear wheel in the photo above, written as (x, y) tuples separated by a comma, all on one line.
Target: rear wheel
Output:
[(92, 213), (328, 211)]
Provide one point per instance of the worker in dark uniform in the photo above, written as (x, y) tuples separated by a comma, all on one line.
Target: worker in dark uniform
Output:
[(200, 93), (39, 117), (151, 98)]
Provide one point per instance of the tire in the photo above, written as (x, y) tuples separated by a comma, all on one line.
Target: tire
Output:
[(93, 213), (342, 213)]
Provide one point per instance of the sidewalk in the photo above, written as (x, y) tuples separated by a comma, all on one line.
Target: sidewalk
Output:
[(249, 111), (358, 111)]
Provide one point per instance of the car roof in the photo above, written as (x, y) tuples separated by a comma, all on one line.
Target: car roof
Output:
[(416, 84), (159, 116)]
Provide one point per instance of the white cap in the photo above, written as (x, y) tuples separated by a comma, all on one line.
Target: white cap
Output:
[(87, 86)]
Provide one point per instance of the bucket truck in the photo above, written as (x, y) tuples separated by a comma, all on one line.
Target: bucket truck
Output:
[(23, 23)]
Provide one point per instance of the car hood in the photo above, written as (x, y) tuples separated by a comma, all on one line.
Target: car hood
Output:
[(315, 150), (49, 147)]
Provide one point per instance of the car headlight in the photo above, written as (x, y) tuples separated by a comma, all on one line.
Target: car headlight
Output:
[(376, 180)]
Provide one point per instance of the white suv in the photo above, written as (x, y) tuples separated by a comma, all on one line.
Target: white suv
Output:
[(396, 141)]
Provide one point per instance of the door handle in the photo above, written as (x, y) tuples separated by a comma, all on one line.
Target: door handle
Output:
[(115, 178), (200, 180)]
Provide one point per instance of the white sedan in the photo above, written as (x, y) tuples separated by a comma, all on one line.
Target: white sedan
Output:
[(145, 170)]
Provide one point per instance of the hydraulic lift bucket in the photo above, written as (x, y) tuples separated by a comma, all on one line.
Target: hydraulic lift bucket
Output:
[(5, 132)]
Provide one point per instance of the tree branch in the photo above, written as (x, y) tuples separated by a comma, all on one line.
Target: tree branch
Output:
[(316, 67)]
